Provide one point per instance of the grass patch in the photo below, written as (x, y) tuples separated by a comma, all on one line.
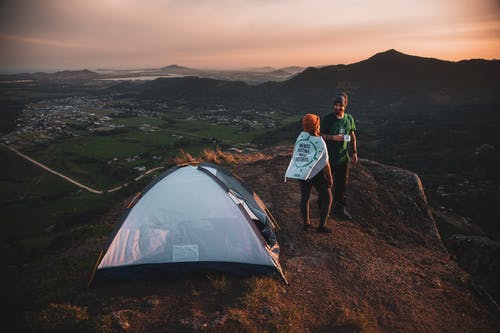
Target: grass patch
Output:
[(261, 289), (239, 320), (64, 318), (216, 156), (138, 121), (261, 302), (222, 133), (101, 112), (41, 200), (68, 238), (357, 324), (184, 157), (219, 282), (100, 147)]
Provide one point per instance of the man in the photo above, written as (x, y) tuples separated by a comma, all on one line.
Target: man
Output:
[(337, 129)]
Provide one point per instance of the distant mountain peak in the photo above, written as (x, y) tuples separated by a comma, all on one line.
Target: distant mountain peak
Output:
[(392, 57), (293, 69), (389, 54), (392, 51), (83, 71), (174, 66), (264, 69)]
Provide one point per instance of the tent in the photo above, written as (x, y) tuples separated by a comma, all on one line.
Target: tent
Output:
[(192, 218)]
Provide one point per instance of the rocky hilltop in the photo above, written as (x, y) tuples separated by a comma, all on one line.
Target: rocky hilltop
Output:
[(385, 271)]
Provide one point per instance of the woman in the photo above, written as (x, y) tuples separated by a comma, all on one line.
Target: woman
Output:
[(310, 165)]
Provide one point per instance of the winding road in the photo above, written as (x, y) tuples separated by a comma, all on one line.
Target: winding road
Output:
[(74, 182)]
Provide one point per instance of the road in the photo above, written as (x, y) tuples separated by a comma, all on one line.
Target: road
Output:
[(72, 181)]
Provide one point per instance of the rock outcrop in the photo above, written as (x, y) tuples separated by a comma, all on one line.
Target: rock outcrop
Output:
[(480, 256), (386, 270)]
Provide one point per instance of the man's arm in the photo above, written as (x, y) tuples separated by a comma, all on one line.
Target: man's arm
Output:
[(354, 148), (325, 132), (328, 137)]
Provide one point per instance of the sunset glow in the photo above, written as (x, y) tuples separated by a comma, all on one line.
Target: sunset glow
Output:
[(56, 35)]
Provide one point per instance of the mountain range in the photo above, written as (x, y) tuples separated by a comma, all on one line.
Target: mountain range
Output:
[(386, 78), (251, 76), (81, 75), (392, 74)]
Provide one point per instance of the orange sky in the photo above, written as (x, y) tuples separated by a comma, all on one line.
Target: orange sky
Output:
[(77, 34)]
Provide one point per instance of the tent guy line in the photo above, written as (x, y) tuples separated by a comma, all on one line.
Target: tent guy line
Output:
[(74, 182)]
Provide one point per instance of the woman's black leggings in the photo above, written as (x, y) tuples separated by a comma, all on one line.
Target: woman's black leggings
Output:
[(325, 195)]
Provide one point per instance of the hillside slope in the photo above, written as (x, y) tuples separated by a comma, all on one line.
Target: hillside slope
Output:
[(385, 271)]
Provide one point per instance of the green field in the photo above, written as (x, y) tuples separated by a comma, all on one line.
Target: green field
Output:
[(41, 208), (33, 200), (87, 158), (138, 121)]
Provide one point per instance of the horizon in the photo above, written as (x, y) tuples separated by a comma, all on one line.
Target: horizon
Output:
[(53, 36), (247, 69)]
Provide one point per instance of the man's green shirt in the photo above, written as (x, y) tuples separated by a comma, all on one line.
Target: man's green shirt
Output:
[(331, 125)]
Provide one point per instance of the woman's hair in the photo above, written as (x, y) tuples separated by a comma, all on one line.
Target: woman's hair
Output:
[(310, 123)]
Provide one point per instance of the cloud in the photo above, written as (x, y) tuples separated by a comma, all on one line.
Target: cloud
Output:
[(202, 32), (5, 39)]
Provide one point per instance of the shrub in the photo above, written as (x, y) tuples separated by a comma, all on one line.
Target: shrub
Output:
[(216, 156), (183, 157)]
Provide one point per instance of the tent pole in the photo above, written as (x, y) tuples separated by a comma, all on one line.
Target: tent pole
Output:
[(89, 284)]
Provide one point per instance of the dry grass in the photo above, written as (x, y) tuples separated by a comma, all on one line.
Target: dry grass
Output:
[(263, 303), (216, 156), (183, 157), (239, 320), (358, 323), (64, 318), (261, 289), (220, 283)]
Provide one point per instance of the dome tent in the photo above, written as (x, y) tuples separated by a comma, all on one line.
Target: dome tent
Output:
[(190, 219)]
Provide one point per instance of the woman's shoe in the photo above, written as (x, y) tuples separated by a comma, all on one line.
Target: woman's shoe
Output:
[(324, 230)]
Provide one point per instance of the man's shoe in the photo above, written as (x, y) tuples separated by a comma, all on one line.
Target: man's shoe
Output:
[(324, 230), (333, 211), (343, 214), (306, 226)]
